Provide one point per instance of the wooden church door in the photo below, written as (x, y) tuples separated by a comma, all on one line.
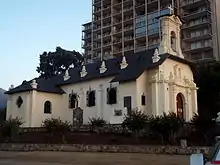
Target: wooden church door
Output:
[(180, 106)]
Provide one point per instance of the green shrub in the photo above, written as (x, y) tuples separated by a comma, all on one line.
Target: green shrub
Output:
[(56, 126), (97, 122), (202, 123), (204, 127), (135, 122), (166, 126), (10, 128), (2, 115)]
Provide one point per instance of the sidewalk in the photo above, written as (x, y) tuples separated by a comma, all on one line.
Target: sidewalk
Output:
[(67, 158)]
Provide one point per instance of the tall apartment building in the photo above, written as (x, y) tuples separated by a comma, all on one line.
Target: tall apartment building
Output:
[(201, 29), (126, 26)]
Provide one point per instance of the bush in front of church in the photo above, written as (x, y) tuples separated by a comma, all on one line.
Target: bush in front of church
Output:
[(166, 126), (10, 128), (96, 124), (205, 128), (56, 126), (136, 122)]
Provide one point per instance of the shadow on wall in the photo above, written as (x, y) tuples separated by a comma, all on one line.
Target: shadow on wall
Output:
[(3, 103), (3, 99)]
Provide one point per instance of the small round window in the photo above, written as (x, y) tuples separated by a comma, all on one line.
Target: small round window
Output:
[(19, 102)]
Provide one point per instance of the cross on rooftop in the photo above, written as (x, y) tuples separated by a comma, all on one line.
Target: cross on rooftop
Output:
[(171, 7)]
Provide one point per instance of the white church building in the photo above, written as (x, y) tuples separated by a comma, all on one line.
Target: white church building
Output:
[(154, 81)]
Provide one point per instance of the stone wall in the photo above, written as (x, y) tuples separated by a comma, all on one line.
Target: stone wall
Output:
[(172, 150)]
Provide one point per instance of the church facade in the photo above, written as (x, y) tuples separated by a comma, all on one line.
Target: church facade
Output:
[(155, 81)]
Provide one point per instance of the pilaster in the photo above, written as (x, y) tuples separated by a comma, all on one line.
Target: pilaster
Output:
[(28, 111), (9, 107), (162, 94), (82, 98), (172, 100), (100, 101), (188, 104), (194, 98), (154, 89), (32, 107)]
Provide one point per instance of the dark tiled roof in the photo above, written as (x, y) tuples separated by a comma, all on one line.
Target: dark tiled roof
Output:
[(44, 85), (112, 66), (137, 64)]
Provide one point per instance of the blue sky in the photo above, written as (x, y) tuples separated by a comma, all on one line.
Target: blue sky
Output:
[(30, 27)]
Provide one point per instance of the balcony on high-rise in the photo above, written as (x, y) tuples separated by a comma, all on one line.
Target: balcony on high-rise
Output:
[(106, 7), (129, 47), (106, 15), (196, 13), (201, 34), (128, 38), (199, 46), (117, 11), (97, 18), (198, 23), (87, 27), (117, 30), (128, 27), (152, 2), (97, 46), (97, 27), (139, 3), (187, 4), (97, 2), (128, 8), (107, 43), (97, 10), (86, 45), (87, 37), (140, 48), (117, 2)]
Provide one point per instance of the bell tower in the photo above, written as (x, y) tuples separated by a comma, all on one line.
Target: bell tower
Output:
[(170, 39)]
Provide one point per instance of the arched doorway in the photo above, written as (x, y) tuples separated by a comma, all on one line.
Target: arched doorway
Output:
[(180, 105)]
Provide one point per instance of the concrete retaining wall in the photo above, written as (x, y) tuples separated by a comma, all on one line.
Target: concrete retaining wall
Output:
[(105, 148)]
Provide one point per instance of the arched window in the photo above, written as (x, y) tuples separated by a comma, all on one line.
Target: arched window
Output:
[(47, 107), (19, 102), (73, 100), (111, 95), (90, 97), (143, 100), (173, 40), (180, 105)]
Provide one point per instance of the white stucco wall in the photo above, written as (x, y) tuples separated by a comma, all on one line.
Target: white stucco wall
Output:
[(175, 77), (22, 112), (143, 87), (32, 110), (101, 109), (38, 114)]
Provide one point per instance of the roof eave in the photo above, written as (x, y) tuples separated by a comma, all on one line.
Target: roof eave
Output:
[(20, 91), (38, 90)]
